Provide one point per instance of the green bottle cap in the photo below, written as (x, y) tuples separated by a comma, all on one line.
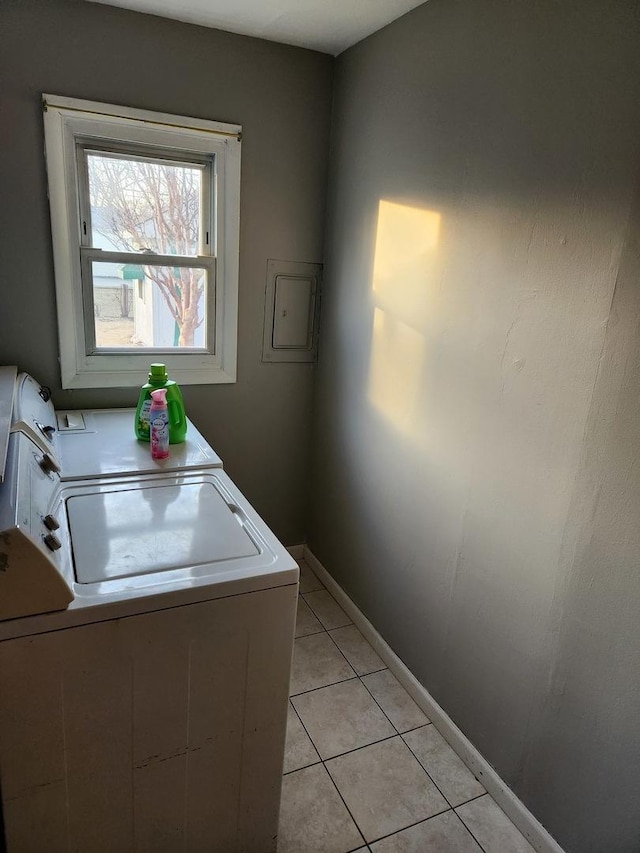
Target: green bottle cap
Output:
[(158, 371)]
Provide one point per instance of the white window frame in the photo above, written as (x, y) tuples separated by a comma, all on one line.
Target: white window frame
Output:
[(68, 121)]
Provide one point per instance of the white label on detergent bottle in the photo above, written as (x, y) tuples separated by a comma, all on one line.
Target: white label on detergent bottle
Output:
[(144, 416)]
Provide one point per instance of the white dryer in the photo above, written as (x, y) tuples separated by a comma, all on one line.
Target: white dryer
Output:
[(147, 619)]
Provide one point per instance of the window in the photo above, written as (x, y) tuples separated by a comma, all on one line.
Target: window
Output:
[(145, 221)]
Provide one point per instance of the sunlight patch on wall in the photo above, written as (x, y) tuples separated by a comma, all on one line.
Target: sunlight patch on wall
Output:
[(403, 288), (406, 243), (395, 368)]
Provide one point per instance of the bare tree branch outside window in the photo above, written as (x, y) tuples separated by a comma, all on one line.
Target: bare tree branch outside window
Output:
[(146, 206)]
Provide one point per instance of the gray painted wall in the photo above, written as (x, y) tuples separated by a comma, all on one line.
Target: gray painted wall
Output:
[(282, 97), (476, 475)]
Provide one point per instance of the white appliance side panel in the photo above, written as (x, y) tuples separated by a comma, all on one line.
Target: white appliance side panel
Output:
[(153, 733), (7, 389), (65, 741)]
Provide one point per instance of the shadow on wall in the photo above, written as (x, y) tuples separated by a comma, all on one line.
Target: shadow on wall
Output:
[(447, 408)]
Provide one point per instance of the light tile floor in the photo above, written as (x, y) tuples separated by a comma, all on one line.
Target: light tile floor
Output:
[(365, 770)]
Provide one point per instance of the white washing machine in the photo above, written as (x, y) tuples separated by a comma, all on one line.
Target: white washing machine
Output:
[(146, 627)]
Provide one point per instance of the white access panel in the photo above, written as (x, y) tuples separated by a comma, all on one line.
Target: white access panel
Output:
[(154, 733), (292, 301), (293, 312)]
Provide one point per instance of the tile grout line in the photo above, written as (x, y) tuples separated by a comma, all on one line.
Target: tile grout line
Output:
[(426, 820), (319, 761), (384, 712), (452, 807), (415, 729), (325, 631), (328, 631), (357, 674), (481, 846), (360, 677), (355, 822), (353, 625), (411, 825), (433, 780), (317, 615), (397, 733), (322, 686), (359, 748), (533, 832), (310, 634), (322, 762), (442, 793), (472, 800), (400, 735)]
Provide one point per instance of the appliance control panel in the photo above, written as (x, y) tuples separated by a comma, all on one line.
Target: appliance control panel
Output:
[(35, 552), (33, 413)]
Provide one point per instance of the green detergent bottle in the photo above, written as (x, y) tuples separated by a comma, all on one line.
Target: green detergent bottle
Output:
[(175, 406)]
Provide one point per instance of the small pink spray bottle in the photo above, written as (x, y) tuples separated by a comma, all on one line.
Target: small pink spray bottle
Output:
[(159, 424)]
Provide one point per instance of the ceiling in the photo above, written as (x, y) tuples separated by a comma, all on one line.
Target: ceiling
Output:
[(329, 26)]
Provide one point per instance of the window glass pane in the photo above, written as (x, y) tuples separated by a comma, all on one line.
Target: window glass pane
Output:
[(144, 205), (149, 306)]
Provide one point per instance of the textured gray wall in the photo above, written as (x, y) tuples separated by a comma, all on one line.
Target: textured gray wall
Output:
[(476, 482), (282, 97)]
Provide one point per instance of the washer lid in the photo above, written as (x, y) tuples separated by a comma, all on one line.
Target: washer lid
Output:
[(127, 530)]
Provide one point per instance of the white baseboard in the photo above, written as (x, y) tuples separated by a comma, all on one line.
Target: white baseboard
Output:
[(515, 810)]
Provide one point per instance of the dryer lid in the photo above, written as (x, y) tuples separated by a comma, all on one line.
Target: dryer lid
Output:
[(127, 530), (101, 443)]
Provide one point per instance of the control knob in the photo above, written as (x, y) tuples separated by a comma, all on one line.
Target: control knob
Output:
[(49, 464), (52, 542), (51, 522), (47, 430)]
